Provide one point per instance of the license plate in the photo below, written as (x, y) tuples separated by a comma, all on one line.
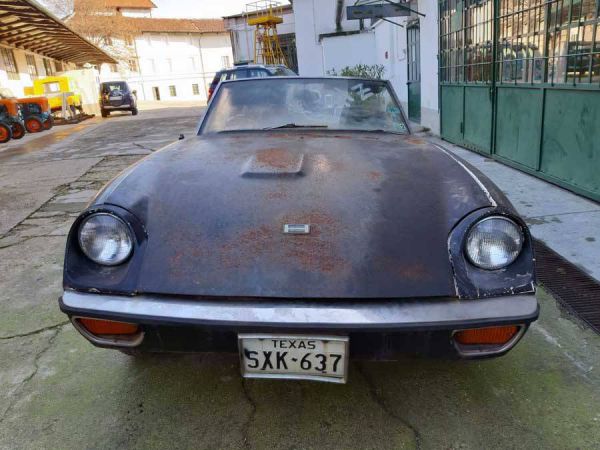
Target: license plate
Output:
[(321, 358), (114, 98)]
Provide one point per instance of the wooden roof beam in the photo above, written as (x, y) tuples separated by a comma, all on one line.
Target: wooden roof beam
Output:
[(48, 45), (8, 31), (28, 14), (28, 37), (19, 40)]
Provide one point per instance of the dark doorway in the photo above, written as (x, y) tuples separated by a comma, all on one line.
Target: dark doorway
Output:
[(414, 72), (288, 47)]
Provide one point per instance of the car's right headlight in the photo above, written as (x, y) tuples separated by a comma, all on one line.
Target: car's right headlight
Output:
[(494, 242), (105, 238)]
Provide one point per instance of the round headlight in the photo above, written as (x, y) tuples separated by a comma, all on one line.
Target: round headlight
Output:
[(494, 243), (105, 239)]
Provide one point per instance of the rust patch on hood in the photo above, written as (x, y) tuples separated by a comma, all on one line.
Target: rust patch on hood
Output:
[(318, 251), (278, 158), (185, 256), (274, 161), (403, 270), (415, 141), (235, 252)]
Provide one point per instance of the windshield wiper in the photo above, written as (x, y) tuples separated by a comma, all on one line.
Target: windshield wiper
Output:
[(380, 130), (294, 125)]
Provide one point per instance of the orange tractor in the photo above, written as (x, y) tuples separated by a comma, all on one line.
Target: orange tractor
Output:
[(36, 113), (11, 120)]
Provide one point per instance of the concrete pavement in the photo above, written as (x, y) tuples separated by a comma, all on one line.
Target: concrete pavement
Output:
[(58, 391)]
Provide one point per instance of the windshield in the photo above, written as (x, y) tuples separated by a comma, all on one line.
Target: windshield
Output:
[(115, 86), (52, 87), (340, 104), (281, 71)]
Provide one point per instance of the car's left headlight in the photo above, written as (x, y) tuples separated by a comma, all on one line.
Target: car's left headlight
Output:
[(494, 242), (105, 238)]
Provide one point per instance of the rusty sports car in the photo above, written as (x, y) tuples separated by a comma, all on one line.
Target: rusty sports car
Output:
[(303, 226)]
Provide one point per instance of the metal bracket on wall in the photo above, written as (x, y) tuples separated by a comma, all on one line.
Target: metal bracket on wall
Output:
[(379, 9), (406, 7)]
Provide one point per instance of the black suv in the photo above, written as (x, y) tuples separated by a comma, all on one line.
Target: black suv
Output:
[(249, 71), (116, 96)]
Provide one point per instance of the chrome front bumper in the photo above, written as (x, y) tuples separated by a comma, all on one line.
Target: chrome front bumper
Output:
[(377, 329), (384, 315), (123, 106)]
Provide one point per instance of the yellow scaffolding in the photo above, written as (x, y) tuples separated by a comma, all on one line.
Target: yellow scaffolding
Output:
[(265, 15)]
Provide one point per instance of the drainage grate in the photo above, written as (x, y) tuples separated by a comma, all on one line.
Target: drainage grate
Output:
[(577, 292)]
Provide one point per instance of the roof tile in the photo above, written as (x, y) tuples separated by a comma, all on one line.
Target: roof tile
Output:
[(135, 4)]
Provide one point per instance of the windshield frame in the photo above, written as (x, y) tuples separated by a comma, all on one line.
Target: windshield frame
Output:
[(217, 93)]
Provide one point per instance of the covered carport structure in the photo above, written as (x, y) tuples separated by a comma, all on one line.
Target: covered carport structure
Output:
[(26, 25)]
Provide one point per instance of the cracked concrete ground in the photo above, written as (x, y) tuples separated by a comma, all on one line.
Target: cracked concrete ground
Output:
[(57, 391)]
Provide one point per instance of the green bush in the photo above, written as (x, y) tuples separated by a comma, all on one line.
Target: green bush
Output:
[(375, 71)]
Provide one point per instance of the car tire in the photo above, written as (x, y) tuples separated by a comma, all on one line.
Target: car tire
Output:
[(18, 130), (49, 123), (104, 113), (33, 125), (134, 112), (5, 133)]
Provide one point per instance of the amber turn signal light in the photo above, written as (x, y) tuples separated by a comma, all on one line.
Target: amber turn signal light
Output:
[(102, 327), (486, 336)]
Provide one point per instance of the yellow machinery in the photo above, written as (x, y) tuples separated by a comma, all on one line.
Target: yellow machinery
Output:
[(56, 89), (265, 15)]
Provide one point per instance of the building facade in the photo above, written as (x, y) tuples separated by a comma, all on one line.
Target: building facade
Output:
[(34, 44), (327, 42), (518, 81), (242, 36), (18, 68), (162, 59)]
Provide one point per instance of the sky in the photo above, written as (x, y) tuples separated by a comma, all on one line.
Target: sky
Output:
[(199, 8)]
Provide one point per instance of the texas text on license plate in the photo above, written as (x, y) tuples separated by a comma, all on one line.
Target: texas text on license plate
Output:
[(321, 358)]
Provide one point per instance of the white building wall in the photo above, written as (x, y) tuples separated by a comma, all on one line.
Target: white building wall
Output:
[(313, 18), (25, 79), (131, 12), (308, 47), (85, 82), (174, 59), (336, 55), (396, 68)]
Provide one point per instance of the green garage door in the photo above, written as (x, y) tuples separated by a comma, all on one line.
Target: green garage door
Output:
[(466, 62), (521, 80)]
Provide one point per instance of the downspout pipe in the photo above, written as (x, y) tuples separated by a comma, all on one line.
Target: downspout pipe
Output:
[(338, 15)]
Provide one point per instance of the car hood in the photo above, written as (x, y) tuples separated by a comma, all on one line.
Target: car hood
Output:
[(380, 209)]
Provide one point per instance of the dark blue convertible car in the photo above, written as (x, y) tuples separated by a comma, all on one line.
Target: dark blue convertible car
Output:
[(303, 226)]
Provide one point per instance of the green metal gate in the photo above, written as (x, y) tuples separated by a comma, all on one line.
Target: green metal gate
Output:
[(466, 75), (520, 80)]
